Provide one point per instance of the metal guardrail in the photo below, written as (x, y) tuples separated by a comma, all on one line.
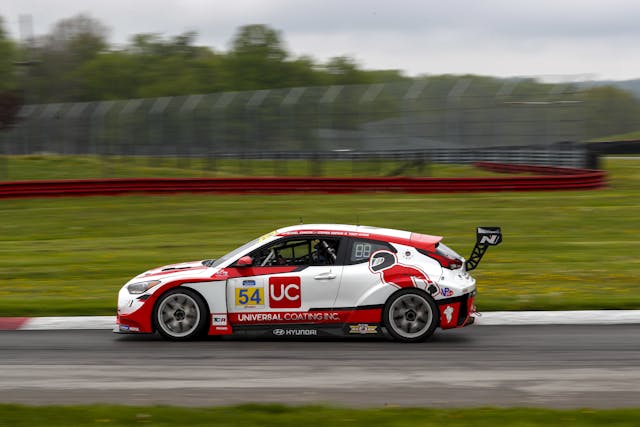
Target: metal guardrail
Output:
[(568, 157)]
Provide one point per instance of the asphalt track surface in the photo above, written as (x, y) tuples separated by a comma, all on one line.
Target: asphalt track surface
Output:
[(559, 366)]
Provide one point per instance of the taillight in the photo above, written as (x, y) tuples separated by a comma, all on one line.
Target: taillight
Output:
[(450, 263)]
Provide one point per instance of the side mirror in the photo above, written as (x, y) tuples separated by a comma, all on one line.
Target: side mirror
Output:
[(245, 261)]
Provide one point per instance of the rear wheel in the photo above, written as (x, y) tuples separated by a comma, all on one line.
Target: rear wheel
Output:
[(180, 315), (410, 315)]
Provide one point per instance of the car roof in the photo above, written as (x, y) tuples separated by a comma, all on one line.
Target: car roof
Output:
[(417, 240)]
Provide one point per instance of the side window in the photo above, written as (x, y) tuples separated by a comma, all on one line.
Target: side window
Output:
[(362, 249), (303, 251), (325, 251)]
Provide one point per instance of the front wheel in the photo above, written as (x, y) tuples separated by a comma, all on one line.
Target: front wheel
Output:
[(410, 316), (180, 315)]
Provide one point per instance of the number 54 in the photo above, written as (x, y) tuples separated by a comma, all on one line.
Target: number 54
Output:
[(249, 296)]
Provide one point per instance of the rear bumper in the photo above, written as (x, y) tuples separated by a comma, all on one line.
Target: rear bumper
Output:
[(456, 312), (470, 321)]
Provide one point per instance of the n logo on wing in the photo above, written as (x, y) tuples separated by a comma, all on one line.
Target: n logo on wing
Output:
[(490, 240)]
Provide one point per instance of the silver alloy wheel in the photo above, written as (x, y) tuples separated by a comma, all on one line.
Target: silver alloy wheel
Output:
[(178, 315), (410, 315)]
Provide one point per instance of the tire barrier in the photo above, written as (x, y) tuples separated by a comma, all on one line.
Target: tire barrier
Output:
[(551, 178)]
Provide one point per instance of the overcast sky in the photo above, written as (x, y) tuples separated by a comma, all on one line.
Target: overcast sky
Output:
[(553, 39)]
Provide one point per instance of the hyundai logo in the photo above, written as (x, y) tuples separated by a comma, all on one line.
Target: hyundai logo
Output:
[(278, 332)]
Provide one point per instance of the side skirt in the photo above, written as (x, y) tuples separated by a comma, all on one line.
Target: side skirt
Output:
[(308, 330)]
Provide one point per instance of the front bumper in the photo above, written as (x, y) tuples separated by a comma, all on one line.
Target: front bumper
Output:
[(134, 313)]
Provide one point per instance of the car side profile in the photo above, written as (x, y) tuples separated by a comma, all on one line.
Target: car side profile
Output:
[(311, 280)]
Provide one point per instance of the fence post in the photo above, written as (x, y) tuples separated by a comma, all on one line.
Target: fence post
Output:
[(98, 117), (329, 98), (49, 114), (409, 100), (253, 131), (74, 114), (500, 118), (186, 126), (129, 108), (289, 102), (157, 124), (453, 103), (219, 128)]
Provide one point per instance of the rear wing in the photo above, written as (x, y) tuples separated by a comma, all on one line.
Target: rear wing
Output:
[(485, 237)]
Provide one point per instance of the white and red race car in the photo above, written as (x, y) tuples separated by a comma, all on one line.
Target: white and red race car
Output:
[(311, 280)]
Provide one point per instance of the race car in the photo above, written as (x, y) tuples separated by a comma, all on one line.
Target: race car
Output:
[(311, 280)]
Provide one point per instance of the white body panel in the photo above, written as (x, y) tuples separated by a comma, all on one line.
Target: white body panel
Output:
[(350, 284)]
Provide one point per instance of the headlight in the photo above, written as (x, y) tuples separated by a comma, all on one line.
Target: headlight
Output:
[(140, 287)]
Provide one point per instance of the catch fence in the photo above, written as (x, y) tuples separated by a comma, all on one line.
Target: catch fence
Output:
[(416, 115)]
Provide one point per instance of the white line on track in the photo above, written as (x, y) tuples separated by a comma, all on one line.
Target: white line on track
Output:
[(492, 318), (583, 317)]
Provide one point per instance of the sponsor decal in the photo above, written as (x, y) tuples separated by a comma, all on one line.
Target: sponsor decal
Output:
[(403, 276), (127, 328), (250, 297), (326, 233), (220, 275), (219, 319), (363, 329), (248, 283), (382, 260), (266, 236), (124, 327), (295, 332), (448, 312), (370, 315), (449, 315), (447, 292), (288, 317), (285, 292)]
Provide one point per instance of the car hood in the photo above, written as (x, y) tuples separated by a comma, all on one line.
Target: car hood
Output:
[(184, 269)]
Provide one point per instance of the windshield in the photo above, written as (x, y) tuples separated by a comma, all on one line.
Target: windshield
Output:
[(234, 253)]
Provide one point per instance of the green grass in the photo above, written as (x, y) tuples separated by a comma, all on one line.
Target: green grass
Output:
[(629, 136), (282, 416), (38, 167), (561, 250)]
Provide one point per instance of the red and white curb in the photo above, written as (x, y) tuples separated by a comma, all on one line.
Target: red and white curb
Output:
[(491, 318), (56, 323)]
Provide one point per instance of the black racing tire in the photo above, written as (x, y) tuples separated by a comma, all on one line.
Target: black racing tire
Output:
[(180, 315), (410, 315)]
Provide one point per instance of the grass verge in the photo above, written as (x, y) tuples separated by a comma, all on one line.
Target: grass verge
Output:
[(561, 250), (42, 167), (279, 415)]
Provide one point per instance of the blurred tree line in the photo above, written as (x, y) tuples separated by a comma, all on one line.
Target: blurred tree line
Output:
[(76, 63)]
